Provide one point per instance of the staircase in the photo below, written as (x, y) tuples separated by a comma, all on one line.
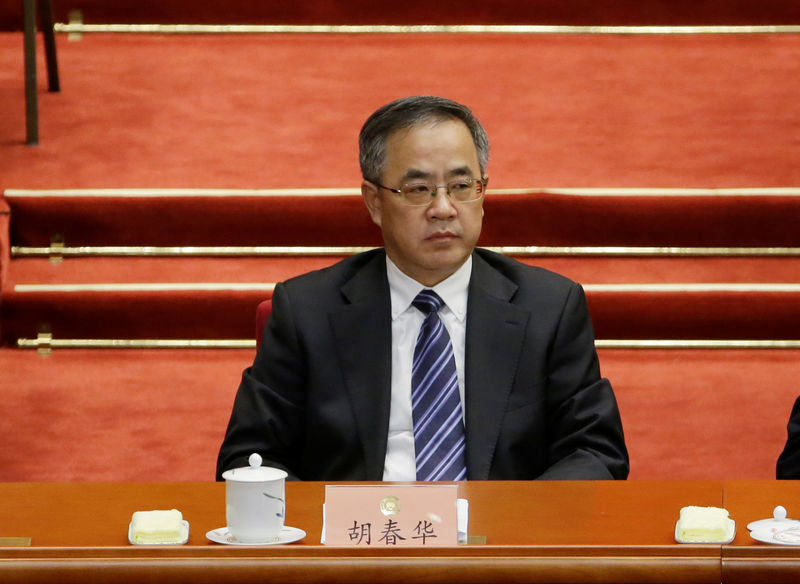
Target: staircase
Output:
[(172, 268)]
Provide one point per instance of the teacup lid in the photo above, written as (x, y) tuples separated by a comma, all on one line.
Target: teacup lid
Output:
[(777, 522), (255, 472)]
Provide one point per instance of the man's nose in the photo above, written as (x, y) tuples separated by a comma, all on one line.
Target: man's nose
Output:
[(442, 205)]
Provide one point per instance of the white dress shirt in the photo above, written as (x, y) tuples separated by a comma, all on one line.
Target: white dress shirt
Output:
[(400, 464)]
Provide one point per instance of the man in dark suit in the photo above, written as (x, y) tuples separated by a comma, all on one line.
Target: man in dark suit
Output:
[(329, 396)]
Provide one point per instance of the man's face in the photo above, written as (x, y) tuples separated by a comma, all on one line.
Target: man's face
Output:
[(431, 242)]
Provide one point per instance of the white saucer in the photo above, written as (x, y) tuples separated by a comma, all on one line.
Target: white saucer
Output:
[(788, 536), (285, 535), (184, 537)]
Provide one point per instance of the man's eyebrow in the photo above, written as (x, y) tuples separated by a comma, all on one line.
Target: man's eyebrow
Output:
[(460, 171), (415, 173)]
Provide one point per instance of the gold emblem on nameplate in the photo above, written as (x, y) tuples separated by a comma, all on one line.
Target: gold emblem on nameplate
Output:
[(390, 505)]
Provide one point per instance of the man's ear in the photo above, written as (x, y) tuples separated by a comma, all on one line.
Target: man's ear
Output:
[(373, 202)]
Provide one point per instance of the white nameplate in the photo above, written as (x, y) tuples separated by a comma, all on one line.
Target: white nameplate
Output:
[(391, 515)]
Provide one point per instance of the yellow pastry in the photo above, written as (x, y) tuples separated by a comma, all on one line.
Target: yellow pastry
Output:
[(704, 524), (157, 527)]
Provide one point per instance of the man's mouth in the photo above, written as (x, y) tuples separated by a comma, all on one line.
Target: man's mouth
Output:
[(441, 236)]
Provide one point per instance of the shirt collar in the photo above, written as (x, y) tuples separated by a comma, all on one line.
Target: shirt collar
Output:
[(453, 290)]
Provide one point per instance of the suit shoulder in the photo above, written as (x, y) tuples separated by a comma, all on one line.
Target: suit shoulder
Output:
[(334, 275), (523, 274)]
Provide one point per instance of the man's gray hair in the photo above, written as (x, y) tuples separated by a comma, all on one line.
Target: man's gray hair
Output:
[(405, 113)]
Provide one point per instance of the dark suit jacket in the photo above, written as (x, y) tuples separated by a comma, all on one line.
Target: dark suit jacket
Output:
[(788, 466), (316, 400)]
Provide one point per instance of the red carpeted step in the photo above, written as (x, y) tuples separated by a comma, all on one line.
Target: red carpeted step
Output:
[(696, 312), (164, 270), (188, 218), (668, 218), (574, 12), (130, 294), (193, 311), (161, 297), (661, 219), (227, 311), (585, 269)]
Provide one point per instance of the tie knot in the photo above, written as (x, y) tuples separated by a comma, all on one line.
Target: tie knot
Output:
[(428, 301)]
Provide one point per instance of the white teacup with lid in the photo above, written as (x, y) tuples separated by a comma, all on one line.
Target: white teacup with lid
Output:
[(255, 501)]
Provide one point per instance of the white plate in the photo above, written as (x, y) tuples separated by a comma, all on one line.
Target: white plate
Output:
[(184, 536), (788, 536), (729, 539), (285, 535)]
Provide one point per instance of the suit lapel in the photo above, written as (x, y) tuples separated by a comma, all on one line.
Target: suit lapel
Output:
[(495, 334), (363, 333)]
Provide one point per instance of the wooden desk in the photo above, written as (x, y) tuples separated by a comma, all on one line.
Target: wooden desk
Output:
[(535, 532), (750, 561)]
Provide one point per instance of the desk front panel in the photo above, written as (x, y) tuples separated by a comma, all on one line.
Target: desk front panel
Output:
[(534, 532), (747, 560)]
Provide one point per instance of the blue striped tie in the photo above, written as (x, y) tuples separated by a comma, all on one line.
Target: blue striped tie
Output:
[(436, 405)]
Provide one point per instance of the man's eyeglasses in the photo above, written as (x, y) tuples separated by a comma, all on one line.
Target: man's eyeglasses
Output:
[(462, 190)]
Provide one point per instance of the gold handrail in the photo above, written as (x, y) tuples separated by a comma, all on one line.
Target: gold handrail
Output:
[(77, 28), (46, 343), (267, 251)]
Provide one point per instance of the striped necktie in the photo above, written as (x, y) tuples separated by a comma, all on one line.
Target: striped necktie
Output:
[(436, 405)]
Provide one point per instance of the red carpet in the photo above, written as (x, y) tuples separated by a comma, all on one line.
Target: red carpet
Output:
[(703, 414), (284, 111), (160, 415), (115, 415)]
